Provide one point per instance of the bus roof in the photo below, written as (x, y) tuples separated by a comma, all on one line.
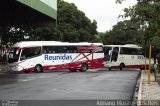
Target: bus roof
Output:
[(126, 45), (113, 45), (131, 45), (50, 43)]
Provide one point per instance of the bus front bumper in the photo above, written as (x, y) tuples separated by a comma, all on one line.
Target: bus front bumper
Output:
[(13, 68)]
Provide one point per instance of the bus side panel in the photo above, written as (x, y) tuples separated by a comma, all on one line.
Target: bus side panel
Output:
[(98, 60), (130, 61), (63, 61), (30, 63), (56, 60), (72, 60)]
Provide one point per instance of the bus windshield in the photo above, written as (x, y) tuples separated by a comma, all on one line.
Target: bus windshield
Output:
[(13, 55)]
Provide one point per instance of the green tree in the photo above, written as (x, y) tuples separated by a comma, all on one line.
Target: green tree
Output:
[(126, 32), (103, 37), (73, 24), (146, 14)]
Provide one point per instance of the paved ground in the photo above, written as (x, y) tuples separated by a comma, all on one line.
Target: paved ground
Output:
[(149, 91), (149, 94), (2, 67), (91, 85)]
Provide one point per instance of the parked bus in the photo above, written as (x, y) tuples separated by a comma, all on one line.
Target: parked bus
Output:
[(39, 56), (124, 56)]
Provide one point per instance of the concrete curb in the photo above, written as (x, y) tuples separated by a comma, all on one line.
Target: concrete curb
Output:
[(140, 90)]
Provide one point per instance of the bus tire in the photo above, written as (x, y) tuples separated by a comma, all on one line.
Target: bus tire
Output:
[(73, 70), (84, 67), (38, 68), (122, 65), (109, 68)]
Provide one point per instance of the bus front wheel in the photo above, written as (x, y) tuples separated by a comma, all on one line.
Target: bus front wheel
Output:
[(38, 68), (84, 67), (122, 65)]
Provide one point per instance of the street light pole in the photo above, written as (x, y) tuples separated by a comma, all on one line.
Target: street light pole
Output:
[(149, 70), (145, 62)]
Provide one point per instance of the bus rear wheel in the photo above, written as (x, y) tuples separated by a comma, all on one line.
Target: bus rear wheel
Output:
[(84, 67), (38, 68)]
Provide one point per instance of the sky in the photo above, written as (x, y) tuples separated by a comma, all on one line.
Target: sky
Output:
[(105, 12)]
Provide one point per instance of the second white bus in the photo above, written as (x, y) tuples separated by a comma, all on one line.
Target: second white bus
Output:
[(124, 56), (39, 56)]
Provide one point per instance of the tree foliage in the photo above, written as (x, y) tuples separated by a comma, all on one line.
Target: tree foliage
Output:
[(146, 14), (125, 32), (103, 37), (73, 23)]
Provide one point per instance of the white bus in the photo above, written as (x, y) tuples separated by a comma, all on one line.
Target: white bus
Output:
[(39, 56), (124, 56)]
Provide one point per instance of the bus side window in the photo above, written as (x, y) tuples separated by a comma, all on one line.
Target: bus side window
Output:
[(25, 54), (69, 49), (35, 51), (88, 51), (44, 49), (50, 49)]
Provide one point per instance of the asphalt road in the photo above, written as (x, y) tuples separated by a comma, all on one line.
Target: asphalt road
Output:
[(64, 88)]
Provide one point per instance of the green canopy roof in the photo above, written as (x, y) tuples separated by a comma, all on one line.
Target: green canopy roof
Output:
[(28, 12), (47, 7)]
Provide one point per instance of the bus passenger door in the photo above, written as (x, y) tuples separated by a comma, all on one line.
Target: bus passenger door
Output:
[(107, 53), (114, 55)]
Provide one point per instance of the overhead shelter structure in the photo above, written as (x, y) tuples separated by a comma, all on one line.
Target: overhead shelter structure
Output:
[(28, 12)]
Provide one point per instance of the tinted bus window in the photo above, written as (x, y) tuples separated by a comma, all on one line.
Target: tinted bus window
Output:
[(30, 52), (98, 49), (60, 49), (50, 49), (71, 49), (130, 51), (68, 49)]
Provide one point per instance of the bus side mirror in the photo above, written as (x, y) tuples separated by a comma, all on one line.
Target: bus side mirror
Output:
[(110, 52), (22, 58)]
